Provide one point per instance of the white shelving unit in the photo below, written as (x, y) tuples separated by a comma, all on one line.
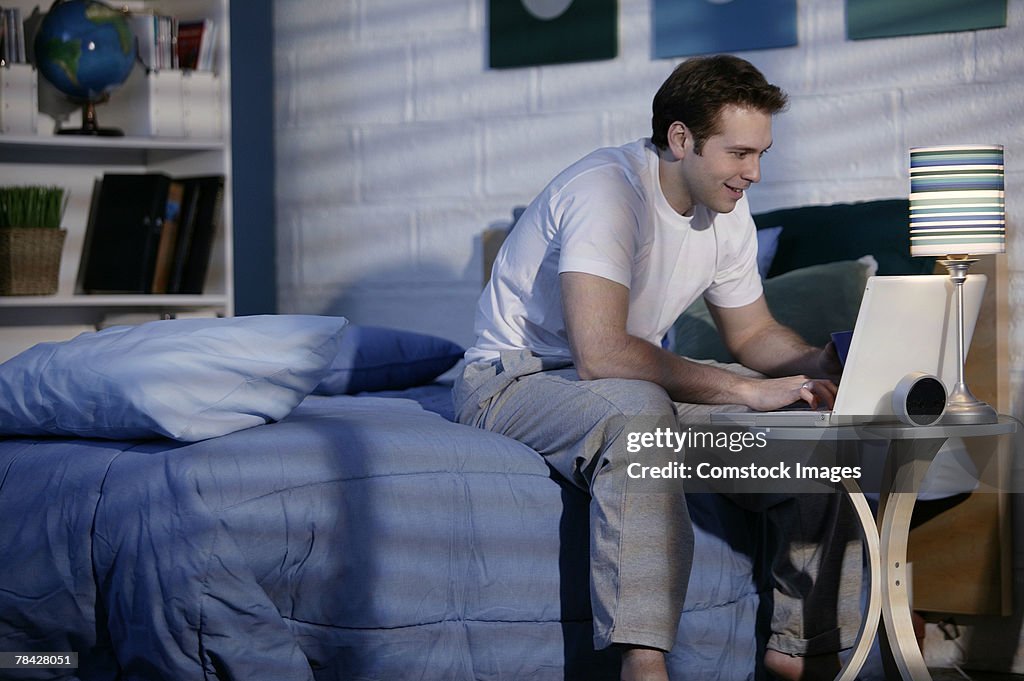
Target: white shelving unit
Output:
[(75, 162)]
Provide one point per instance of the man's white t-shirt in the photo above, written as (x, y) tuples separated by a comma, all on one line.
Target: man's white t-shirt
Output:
[(606, 215)]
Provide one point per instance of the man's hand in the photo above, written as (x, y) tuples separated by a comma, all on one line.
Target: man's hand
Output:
[(829, 364), (770, 394), (595, 313)]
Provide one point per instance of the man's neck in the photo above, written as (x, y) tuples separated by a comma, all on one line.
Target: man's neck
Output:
[(672, 186)]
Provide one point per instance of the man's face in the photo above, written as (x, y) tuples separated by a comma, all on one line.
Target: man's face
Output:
[(730, 161)]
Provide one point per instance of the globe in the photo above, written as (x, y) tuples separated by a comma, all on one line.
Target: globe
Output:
[(85, 49)]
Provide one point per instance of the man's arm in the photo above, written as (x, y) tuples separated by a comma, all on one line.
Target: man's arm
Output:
[(595, 311), (758, 341)]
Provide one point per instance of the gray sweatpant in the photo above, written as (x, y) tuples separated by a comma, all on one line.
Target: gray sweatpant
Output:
[(641, 541)]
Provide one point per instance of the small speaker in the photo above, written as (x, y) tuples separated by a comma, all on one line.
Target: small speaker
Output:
[(919, 399)]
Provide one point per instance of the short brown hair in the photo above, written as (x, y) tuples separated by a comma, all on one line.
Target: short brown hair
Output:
[(700, 87)]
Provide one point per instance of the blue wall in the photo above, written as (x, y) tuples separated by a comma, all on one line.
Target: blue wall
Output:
[(252, 130)]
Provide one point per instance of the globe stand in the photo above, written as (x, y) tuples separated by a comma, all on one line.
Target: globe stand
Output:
[(90, 126)]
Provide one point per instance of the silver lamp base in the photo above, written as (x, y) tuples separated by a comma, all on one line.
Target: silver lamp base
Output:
[(962, 407)]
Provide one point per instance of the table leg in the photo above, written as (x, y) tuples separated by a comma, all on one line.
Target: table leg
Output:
[(910, 461), (869, 623)]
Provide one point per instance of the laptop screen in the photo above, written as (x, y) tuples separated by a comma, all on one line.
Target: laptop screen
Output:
[(905, 324)]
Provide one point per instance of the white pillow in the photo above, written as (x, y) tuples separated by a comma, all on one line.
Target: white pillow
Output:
[(187, 379)]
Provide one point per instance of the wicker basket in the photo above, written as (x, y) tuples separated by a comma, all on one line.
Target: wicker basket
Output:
[(30, 260)]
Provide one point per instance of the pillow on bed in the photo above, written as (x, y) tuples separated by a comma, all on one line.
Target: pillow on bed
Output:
[(767, 245), (186, 379), (376, 358), (813, 301)]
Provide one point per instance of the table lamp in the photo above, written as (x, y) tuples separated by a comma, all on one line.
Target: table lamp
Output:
[(957, 210)]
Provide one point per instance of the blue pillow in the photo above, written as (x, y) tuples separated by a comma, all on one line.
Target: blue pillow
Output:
[(767, 245), (377, 358), (186, 379)]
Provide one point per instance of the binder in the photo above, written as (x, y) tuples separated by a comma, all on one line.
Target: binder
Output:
[(200, 220), (124, 233)]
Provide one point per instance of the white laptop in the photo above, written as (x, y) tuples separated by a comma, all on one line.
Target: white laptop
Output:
[(905, 324)]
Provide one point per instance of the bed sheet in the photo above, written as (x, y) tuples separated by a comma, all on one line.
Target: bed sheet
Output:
[(359, 538)]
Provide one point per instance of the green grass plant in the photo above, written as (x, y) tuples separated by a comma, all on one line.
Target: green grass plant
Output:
[(32, 206)]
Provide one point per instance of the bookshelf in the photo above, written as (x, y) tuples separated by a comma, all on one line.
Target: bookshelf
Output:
[(76, 162)]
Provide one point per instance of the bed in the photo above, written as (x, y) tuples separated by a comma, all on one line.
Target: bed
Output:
[(286, 497)]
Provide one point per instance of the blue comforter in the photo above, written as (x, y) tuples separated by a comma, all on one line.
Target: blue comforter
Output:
[(360, 538)]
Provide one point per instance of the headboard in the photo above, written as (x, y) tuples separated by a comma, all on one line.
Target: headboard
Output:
[(812, 235)]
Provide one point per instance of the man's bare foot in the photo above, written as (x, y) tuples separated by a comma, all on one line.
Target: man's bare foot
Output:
[(796, 668), (919, 628), (643, 664)]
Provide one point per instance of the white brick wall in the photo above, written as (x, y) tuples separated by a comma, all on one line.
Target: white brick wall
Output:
[(396, 145), (386, 109)]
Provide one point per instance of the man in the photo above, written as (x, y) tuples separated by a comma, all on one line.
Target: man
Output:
[(568, 352)]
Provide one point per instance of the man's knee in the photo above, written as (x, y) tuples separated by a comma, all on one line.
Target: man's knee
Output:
[(630, 398)]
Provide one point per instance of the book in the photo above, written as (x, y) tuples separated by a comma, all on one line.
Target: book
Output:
[(128, 319), (196, 233), (144, 27), (4, 40), (163, 42), (200, 313), (166, 42), (12, 36), (83, 263), (124, 232), (168, 238), (186, 225), (19, 34), (208, 48), (190, 40), (173, 48)]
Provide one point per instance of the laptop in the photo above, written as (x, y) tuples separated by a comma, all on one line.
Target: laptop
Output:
[(905, 324)]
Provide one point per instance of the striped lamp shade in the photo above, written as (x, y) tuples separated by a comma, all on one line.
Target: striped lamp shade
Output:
[(956, 200)]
